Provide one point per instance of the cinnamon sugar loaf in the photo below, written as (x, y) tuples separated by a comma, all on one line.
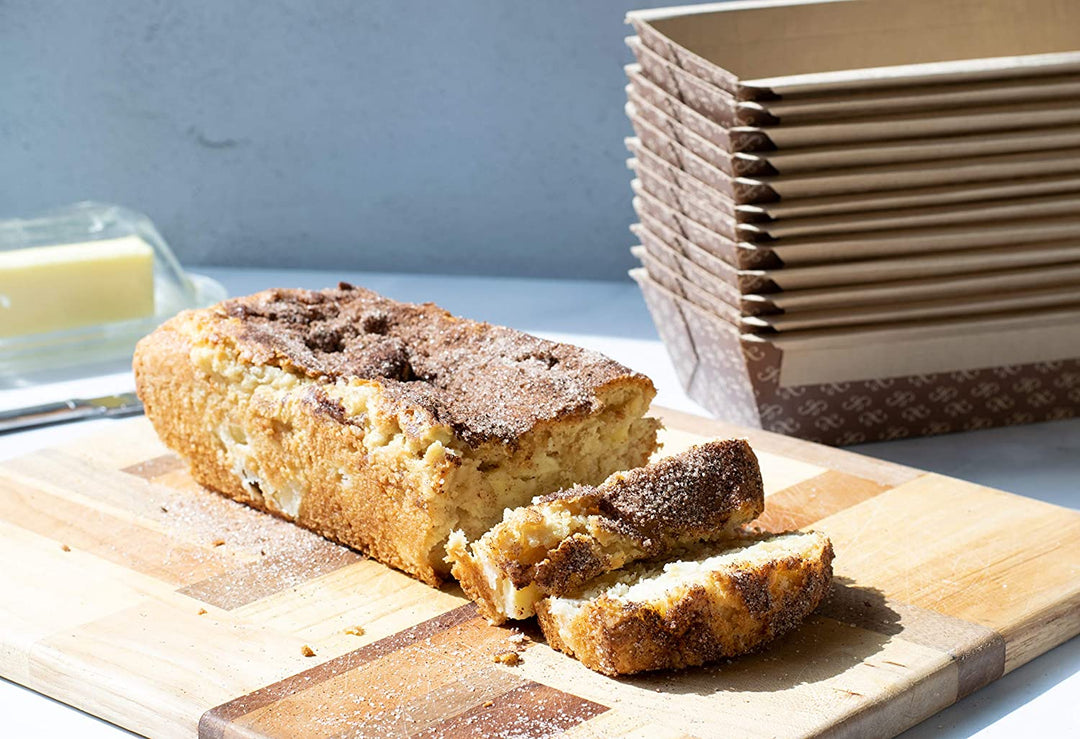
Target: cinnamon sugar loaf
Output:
[(720, 602), (385, 425), (565, 539)]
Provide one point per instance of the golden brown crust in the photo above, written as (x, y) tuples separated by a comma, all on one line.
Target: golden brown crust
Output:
[(733, 612), (164, 377), (306, 446), (470, 576), (185, 405), (578, 559)]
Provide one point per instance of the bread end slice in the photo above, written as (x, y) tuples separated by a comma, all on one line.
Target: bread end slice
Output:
[(565, 539), (719, 603)]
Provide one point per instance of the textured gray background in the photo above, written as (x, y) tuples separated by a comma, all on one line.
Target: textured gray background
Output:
[(478, 137)]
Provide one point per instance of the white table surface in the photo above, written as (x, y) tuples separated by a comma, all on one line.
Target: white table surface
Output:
[(1041, 461)]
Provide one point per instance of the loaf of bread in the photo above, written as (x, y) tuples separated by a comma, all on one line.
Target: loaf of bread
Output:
[(385, 425), (563, 540), (720, 602)]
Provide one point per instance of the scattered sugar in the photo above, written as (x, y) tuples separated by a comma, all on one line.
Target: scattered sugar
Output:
[(196, 515)]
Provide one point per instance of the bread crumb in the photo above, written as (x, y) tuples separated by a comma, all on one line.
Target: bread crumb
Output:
[(217, 542), (164, 509), (355, 631), (65, 548), (307, 651), (202, 612), (488, 704), (509, 657)]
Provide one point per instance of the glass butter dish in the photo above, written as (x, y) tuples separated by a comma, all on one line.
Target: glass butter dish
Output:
[(83, 283)]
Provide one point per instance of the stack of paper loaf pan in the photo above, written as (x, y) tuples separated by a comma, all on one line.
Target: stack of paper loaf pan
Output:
[(860, 219)]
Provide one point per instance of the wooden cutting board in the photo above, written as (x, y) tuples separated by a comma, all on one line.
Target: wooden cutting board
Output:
[(132, 593)]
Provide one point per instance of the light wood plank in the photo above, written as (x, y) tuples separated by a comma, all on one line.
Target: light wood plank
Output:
[(805, 685), (886, 473), (368, 595), (1009, 563), (156, 667)]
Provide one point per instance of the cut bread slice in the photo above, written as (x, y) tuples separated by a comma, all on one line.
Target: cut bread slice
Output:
[(565, 539), (720, 602)]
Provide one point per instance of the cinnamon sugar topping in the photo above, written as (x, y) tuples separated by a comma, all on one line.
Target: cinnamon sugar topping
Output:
[(677, 496), (486, 382)]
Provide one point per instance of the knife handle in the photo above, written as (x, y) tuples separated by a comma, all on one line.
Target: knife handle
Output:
[(75, 409), (17, 419)]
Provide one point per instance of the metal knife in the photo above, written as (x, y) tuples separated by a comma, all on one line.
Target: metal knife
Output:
[(76, 409)]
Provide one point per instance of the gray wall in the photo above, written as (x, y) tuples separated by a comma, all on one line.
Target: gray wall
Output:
[(478, 137)]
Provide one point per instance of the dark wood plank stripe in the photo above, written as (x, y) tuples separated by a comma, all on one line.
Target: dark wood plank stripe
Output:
[(272, 574), (812, 500), (213, 723), (979, 652), (156, 467), (980, 665), (530, 711)]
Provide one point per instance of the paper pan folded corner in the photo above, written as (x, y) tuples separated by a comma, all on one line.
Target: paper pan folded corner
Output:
[(851, 386)]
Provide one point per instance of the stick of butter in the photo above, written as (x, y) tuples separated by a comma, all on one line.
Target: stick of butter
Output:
[(50, 288)]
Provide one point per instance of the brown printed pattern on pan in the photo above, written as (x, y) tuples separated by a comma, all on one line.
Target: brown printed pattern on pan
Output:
[(740, 381)]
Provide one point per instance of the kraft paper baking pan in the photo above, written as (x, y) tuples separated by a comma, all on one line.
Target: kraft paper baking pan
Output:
[(766, 50), (723, 282), (1066, 276), (899, 204), (1003, 303), (647, 119), (873, 271), (1006, 209), (679, 211), (721, 247), (687, 236), (862, 180), (686, 288), (1012, 223), (1031, 187), (717, 107), (739, 139), (678, 85), (846, 386), (818, 108), (676, 251), (699, 287)]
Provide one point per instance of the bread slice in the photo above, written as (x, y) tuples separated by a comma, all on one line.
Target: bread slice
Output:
[(385, 425), (565, 539), (722, 602)]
